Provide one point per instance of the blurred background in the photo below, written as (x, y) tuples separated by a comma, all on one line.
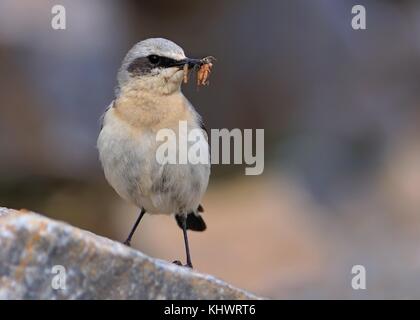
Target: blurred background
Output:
[(340, 109)]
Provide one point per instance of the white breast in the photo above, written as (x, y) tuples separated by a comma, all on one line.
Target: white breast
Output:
[(128, 157)]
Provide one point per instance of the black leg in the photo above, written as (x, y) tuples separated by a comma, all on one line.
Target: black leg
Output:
[(128, 241), (187, 247)]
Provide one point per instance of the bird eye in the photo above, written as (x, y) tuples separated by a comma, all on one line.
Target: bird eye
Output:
[(154, 59)]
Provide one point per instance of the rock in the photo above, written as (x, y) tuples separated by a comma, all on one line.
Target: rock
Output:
[(39, 255)]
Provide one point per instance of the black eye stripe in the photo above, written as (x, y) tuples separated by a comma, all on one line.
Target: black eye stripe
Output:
[(140, 66), (143, 65), (165, 62)]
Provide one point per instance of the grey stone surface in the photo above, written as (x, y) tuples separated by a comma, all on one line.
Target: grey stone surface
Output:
[(95, 267)]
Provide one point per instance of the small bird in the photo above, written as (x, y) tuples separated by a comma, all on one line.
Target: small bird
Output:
[(148, 98)]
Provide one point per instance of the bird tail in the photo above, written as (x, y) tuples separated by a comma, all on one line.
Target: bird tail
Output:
[(195, 221)]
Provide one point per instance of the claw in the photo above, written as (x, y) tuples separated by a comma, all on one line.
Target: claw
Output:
[(179, 263)]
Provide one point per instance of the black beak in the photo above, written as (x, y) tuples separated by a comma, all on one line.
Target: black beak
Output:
[(191, 63)]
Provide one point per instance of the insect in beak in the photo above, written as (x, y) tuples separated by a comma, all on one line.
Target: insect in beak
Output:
[(203, 67)]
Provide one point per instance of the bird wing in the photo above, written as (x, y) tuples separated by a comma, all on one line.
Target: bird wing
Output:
[(101, 119)]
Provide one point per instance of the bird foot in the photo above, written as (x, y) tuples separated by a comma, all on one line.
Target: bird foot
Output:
[(179, 263)]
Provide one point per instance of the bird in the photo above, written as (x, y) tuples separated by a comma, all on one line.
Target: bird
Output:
[(148, 98)]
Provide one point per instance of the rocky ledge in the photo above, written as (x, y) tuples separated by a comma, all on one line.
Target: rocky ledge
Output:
[(41, 258)]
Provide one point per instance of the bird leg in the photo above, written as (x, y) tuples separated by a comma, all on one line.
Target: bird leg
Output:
[(127, 242), (187, 247)]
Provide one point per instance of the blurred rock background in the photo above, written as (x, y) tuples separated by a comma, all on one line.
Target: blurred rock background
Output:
[(341, 114)]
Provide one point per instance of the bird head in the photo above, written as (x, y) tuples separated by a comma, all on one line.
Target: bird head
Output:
[(154, 65)]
